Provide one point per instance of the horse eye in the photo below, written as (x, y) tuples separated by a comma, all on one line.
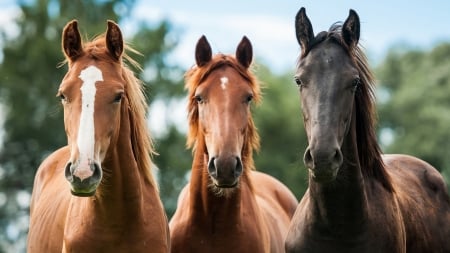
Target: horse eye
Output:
[(298, 81), (118, 97), (355, 84), (198, 98), (249, 99), (61, 96)]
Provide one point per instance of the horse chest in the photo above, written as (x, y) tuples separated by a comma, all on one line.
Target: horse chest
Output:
[(237, 240), (309, 235), (127, 241), (219, 232)]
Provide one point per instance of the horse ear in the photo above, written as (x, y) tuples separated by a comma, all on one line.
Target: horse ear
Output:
[(244, 52), (71, 41), (203, 52), (114, 40), (350, 29), (303, 30)]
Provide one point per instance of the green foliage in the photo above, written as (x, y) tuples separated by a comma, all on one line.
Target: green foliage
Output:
[(280, 126), (417, 108), (174, 163), (163, 80)]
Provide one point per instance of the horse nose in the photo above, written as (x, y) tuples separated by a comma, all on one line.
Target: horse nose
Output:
[(225, 170), (324, 163), (84, 181), (317, 157)]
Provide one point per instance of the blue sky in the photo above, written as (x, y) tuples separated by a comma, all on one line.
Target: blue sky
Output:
[(269, 24)]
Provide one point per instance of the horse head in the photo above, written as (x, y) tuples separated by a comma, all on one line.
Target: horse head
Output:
[(91, 92), (328, 79), (220, 110)]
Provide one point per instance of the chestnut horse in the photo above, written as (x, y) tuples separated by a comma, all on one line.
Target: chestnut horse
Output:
[(97, 194), (358, 200), (227, 206)]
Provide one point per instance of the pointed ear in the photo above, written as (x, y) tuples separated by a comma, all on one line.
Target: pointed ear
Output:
[(244, 52), (350, 29), (203, 52), (303, 30), (71, 41), (114, 40)]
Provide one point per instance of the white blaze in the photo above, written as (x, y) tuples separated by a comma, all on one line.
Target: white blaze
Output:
[(86, 131), (224, 82)]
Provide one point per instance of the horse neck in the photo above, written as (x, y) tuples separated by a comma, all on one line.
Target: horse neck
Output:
[(124, 185), (342, 204), (204, 202)]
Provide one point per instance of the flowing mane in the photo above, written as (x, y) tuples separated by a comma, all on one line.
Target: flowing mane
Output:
[(369, 151), (227, 205), (137, 104), (400, 202), (100, 180), (194, 77)]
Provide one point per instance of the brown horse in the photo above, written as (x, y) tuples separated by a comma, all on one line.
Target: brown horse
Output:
[(357, 200), (97, 194), (227, 206)]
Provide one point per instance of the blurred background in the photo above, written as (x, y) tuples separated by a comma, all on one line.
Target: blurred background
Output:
[(407, 42)]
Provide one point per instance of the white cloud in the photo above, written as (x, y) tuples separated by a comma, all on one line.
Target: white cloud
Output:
[(7, 16), (273, 38)]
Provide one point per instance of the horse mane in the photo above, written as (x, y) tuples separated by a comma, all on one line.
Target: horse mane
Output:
[(140, 138), (369, 151), (194, 77)]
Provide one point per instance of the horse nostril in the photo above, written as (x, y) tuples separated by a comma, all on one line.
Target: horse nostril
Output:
[(212, 167), (239, 168), (317, 157), (97, 171), (338, 156), (308, 159), (68, 172)]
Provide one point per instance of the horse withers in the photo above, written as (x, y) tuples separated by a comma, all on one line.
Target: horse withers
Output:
[(358, 200), (227, 205), (97, 194)]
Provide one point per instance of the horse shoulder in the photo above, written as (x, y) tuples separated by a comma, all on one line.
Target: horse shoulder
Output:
[(182, 207), (424, 201), (416, 174), (300, 227), (277, 204), (274, 192), (49, 203), (49, 172), (178, 224)]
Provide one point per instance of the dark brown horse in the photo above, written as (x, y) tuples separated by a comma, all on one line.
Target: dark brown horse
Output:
[(227, 206), (357, 200), (97, 194)]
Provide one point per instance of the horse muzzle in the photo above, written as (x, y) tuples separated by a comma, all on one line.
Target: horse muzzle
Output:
[(323, 164), (83, 179), (225, 171)]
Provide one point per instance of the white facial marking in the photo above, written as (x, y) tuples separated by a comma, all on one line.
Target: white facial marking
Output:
[(224, 82), (86, 131)]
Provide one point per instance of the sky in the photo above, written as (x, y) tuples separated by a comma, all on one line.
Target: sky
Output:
[(269, 24)]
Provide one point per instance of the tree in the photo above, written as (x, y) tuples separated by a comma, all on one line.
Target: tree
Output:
[(174, 163), (415, 108), (29, 80), (280, 126)]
